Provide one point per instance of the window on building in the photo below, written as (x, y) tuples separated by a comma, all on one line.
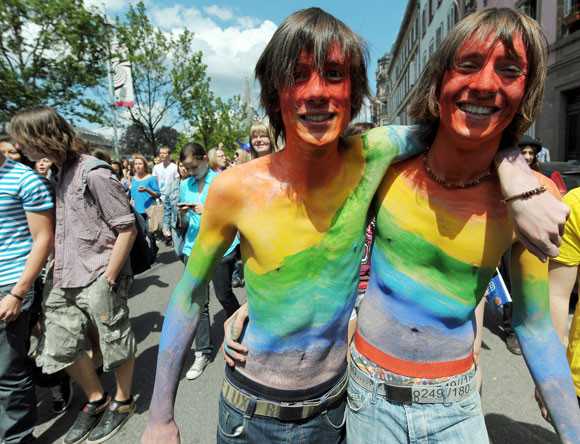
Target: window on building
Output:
[(416, 27), (572, 151), (431, 47), (528, 7), (431, 10), (451, 18), (438, 35), (424, 59), (424, 21)]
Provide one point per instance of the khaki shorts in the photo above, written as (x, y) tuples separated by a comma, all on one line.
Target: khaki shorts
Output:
[(66, 316)]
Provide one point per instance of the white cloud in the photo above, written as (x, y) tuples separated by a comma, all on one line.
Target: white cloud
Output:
[(230, 52), (221, 13), (110, 5)]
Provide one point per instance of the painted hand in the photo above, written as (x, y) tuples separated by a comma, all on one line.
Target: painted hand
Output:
[(539, 223), (157, 432), (231, 348), (541, 405)]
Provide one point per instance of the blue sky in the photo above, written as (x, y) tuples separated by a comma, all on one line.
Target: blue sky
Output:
[(232, 34)]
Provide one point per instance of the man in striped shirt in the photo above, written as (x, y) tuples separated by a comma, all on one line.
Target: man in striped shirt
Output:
[(26, 239)]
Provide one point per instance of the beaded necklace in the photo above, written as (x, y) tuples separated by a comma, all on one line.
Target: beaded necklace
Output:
[(444, 183)]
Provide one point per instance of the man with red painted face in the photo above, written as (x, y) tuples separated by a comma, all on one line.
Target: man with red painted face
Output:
[(441, 229), (301, 215)]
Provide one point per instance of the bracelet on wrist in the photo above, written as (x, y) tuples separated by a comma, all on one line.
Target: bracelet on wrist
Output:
[(20, 298), (525, 194)]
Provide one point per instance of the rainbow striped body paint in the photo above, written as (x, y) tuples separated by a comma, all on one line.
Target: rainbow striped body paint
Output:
[(302, 253), (300, 303), (435, 252)]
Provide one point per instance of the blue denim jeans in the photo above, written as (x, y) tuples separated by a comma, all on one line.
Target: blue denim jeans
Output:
[(324, 428), (372, 418), (17, 392), (178, 237)]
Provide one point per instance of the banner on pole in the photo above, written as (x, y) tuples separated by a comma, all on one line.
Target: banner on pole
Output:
[(122, 81)]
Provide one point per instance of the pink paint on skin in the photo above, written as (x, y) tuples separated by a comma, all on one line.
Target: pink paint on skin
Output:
[(482, 93), (316, 109)]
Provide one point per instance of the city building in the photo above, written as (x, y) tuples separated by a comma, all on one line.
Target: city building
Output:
[(379, 106), (425, 24), (403, 71), (558, 125)]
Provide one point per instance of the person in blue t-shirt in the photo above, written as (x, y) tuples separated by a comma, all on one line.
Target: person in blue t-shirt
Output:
[(192, 195), (144, 190)]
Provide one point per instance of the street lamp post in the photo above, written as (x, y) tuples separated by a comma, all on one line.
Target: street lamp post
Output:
[(111, 91)]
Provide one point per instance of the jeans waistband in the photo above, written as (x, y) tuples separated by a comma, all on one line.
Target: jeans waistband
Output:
[(455, 389), (286, 411)]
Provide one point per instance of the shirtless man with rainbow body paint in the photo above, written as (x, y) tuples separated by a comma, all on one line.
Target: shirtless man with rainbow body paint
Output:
[(301, 215), (437, 246)]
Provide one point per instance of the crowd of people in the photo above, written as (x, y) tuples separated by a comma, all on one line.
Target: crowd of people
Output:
[(61, 272), (326, 349)]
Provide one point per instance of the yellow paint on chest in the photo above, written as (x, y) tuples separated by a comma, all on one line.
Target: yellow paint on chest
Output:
[(286, 222), (470, 226)]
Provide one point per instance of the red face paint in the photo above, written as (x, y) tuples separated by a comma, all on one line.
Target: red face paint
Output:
[(316, 110), (481, 94)]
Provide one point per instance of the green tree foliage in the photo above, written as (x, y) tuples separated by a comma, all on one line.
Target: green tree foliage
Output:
[(167, 136), (182, 140), (51, 52), (134, 141), (214, 120), (164, 68)]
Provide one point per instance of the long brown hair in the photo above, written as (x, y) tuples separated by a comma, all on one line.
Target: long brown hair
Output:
[(502, 24), (43, 129), (315, 31), (145, 164)]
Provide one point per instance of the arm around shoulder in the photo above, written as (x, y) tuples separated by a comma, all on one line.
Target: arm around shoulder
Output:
[(538, 220), (396, 142)]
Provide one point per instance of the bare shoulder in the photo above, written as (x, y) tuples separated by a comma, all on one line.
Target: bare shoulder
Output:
[(238, 184)]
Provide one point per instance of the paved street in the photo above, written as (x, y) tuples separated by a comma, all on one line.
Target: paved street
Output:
[(510, 410)]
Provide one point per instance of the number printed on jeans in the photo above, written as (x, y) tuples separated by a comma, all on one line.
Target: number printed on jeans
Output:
[(422, 394)]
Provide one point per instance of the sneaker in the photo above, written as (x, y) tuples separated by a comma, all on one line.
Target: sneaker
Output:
[(512, 344), (62, 395), (115, 416), (199, 365), (88, 418)]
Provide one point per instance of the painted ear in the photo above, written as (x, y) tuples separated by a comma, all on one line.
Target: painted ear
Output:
[(434, 104)]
